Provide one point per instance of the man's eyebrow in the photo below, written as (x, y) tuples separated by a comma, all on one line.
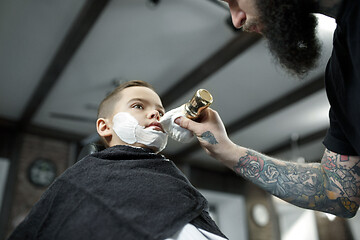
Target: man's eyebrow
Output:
[(146, 101)]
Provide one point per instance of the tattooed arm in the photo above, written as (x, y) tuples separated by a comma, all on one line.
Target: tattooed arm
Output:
[(330, 186)]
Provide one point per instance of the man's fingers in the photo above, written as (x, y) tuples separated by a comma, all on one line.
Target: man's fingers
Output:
[(178, 121), (187, 123), (183, 122)]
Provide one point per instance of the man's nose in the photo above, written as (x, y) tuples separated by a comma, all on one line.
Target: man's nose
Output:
[(238, 18)]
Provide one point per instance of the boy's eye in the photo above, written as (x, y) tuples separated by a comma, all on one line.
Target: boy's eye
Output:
[(161, 114), (137, 105)]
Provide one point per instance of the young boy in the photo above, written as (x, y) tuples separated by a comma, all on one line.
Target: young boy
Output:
[(126, 191)]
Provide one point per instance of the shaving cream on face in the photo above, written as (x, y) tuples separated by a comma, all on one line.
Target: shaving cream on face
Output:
[(129, 131)]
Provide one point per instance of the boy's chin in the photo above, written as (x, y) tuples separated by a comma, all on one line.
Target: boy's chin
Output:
[(152, 148)]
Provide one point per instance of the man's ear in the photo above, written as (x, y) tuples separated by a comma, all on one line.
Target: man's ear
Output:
[(103, 128)]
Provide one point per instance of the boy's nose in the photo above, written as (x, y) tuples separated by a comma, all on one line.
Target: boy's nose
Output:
[(154, 114)]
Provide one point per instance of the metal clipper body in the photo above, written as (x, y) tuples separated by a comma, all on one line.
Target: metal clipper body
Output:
[(200, 101)]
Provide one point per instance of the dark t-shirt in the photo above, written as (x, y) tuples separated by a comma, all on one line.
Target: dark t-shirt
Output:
[(342, 80)]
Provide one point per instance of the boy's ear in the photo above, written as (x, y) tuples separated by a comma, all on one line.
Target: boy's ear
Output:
[(103, 128)]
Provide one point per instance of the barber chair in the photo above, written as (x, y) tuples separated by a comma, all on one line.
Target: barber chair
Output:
[(89, 149)]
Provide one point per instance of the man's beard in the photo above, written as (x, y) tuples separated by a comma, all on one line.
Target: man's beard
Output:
[(290, 30)]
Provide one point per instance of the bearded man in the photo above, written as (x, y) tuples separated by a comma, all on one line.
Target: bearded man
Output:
[(333, 185)]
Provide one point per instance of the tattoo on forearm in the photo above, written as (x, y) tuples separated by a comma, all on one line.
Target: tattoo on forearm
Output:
[(342, 179), (306, 185), (209, 137)]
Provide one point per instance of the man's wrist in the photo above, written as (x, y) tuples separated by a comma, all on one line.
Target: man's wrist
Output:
[(229, 153)]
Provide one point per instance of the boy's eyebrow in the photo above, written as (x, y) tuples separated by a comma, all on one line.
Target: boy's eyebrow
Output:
[(146, 101)]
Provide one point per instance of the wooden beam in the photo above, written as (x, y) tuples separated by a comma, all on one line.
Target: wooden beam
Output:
[(10, 125), (214, 180), (278, 104), (11, 143), (73, 39), (54, 133), (232, 49), (301, 141)]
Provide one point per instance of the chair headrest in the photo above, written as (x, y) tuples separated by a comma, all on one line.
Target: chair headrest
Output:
[(89, 149)]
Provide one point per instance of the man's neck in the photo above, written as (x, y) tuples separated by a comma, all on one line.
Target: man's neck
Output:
[(329, 7)]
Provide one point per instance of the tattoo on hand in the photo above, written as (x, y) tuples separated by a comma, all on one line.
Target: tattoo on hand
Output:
[(209, 137)]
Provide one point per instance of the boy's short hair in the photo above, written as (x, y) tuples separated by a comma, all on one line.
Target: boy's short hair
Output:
[(107, 105)]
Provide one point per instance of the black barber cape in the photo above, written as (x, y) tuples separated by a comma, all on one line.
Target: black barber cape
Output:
[(119, 193)]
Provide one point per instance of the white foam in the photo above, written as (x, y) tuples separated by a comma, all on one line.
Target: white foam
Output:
[(129, 131), (174, 130)]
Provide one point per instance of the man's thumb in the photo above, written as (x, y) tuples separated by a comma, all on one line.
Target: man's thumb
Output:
[(187, 123)]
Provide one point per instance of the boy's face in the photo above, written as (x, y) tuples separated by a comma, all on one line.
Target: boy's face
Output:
[(144, 105)]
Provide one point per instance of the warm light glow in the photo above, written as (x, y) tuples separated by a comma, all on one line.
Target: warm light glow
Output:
[(331, 217)]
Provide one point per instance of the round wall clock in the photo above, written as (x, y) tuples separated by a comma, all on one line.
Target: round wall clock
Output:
[(260, 215), (42, 172)]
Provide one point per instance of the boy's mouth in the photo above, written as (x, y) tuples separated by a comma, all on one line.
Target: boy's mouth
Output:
[(155, 126)]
